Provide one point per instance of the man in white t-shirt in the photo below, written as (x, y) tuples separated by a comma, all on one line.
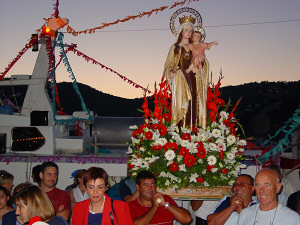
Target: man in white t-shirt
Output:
[(268, 211)]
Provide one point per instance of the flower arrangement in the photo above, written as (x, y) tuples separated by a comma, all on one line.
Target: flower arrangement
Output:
[(187, 157)]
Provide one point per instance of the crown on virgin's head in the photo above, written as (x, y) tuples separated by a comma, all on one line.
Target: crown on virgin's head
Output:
[(186, 19)]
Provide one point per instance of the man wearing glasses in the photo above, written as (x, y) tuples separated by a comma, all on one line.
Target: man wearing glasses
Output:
[(228, 210)]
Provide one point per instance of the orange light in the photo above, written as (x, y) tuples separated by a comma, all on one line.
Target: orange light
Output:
[(46, 30)]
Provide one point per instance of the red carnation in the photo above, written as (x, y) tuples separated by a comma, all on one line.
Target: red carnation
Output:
[(201, 153), (174, 166), (186, 136), (148, 135), (224, 170), (154, 126), (209, 167), (184, 152), (162, 130), (189, 160), (200, 179)]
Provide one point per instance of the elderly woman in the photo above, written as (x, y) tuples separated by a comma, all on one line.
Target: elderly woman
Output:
[(32, 203), (99, 209), (187, 86)]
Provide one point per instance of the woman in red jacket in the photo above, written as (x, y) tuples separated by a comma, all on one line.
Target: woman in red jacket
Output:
[(99, 208)]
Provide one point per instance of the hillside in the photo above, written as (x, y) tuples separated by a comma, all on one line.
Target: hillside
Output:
[(263, 110)]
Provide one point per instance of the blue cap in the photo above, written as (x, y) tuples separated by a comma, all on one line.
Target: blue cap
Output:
[(73, 175)]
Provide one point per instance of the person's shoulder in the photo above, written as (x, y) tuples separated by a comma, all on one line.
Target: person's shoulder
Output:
[(57, 190), (10, 214), (286, 210), (119, 202), (133, 202), (82, 203)]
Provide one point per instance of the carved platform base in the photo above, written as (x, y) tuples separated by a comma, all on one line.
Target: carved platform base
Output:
[(191, 193)]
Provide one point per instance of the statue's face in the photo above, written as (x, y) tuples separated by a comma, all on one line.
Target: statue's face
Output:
[(197, 37), (187, 32)]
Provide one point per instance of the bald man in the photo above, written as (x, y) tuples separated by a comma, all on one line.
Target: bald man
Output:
[(268, 211)]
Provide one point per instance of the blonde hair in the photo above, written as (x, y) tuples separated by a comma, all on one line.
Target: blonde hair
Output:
[(5, 177), (37, 202)]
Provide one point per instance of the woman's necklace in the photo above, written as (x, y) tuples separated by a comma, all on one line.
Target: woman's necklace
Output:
[(273, 216), (98, 211)]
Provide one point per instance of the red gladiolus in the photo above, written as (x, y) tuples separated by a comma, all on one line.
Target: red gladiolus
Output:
[(224, 170), (186, 136), (174, 167), (162, 130), (200, 179), (148, 135), (184, 152), (190, 160)]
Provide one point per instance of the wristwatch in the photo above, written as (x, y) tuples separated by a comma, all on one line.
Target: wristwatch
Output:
[(167, 205)]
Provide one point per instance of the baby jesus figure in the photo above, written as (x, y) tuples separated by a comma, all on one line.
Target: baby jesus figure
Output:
[(198, 49)]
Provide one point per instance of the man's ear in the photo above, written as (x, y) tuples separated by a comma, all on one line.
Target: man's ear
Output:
[(41, 175), (137, 187), (278, 187)]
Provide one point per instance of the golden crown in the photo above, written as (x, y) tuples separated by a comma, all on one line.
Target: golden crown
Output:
[(186, 19)]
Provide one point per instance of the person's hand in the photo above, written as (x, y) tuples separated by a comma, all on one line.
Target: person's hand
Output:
[(172, 74), (215, 43), (60, 208), (158, 199), (237, 203)]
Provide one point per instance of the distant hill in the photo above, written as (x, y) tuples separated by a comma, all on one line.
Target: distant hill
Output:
[(263, 110)]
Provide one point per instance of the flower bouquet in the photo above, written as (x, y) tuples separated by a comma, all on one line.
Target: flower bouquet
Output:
[(185, 157)]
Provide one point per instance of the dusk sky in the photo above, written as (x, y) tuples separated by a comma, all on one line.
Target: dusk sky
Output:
[(259, 40)]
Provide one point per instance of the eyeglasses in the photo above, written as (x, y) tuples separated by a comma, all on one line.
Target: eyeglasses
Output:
[(241, 184)]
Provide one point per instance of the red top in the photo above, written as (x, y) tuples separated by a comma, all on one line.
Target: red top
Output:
[(59, 198), (81, 213), (162, 215)]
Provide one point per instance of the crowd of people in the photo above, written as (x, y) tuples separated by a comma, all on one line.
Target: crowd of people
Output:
[(253, 201)]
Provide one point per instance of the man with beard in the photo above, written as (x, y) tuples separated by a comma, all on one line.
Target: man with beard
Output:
[(228, 210), (152, 207), (59, 198)]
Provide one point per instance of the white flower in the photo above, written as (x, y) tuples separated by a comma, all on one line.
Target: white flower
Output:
[(179, 158), (154, 121), (212, 146), (231, 182), (220, 140), (200, 161), (185, 143), (230, 139), (241, 142), (129, 150), (213, 170), (211, 160), (216, 133), (193, 177), (134, 127), (153, 159), (204, 171), (172, 128), (156, 135), (160, 141), (185, 130), (206, 184), (170, 155), (167, 183), (135, 140), (230, 156), (142, 149), (182, 168), (163, 174), (224, 114)]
